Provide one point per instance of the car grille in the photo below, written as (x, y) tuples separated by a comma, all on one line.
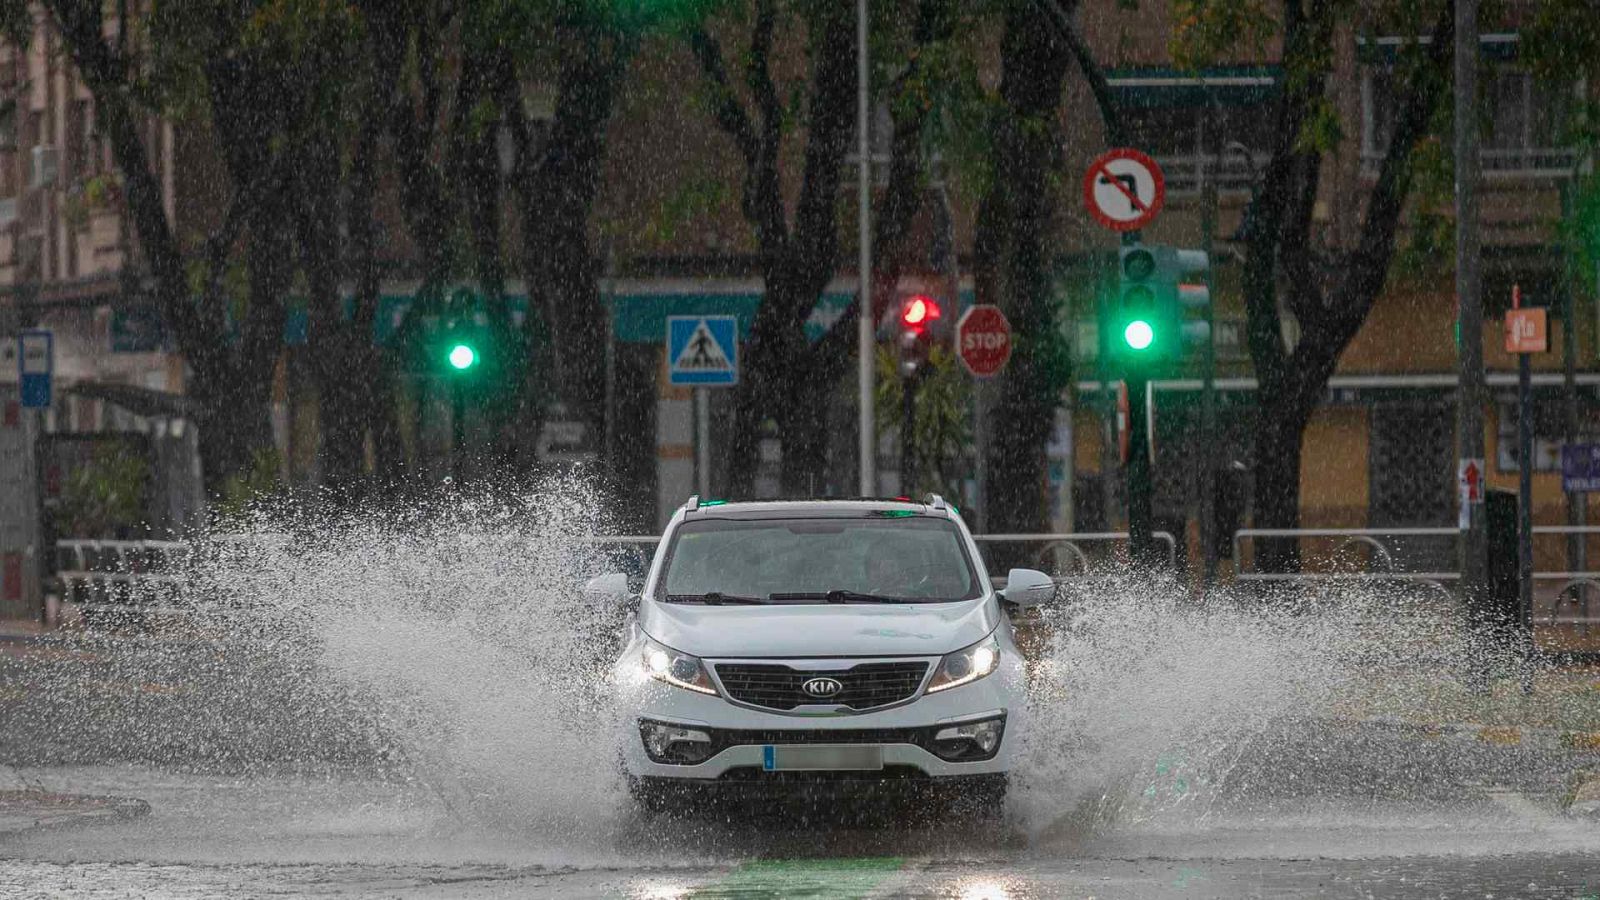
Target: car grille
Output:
[(866, 686)]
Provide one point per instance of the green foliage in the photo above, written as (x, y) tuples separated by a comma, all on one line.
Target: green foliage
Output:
[(690, 204), (1561, 42), (1206, 32), (1322, 131), (106, 496), (943, 430), (1427, 251), (1580, 234), (261, 479), (960, 110), (16, 22)]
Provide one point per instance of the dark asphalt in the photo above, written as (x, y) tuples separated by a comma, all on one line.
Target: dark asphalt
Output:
[(263, 779)]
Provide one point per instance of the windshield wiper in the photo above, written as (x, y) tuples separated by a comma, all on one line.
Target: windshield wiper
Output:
[(840, 596), (715, 598)]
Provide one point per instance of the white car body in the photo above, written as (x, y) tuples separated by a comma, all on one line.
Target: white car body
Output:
[(827, 640)]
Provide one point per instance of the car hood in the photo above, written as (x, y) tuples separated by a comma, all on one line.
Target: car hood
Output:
[(819, 629)]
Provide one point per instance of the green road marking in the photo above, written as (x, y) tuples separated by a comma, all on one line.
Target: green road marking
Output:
[(822, 879)]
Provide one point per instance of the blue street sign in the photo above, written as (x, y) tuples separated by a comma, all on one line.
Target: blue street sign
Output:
[(35, 365), (1580, 468), (703, 351)]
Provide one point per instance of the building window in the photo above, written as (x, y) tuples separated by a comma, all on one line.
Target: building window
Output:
[(1210, 125), (1524, 123), (1549, 424)]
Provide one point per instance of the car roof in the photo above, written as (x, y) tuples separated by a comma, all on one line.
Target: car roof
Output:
[(812, 509)]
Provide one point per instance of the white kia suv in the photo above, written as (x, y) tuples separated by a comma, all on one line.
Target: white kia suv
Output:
[(839, 646)]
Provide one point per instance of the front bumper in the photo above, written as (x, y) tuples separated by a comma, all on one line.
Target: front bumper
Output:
[(904, 733)]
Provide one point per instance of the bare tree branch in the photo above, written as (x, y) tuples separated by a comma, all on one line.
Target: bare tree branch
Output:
[(762, 200), (758, 74), (82, 28), (833, 84), (1067, 29), (1375, 248), (729, 113)]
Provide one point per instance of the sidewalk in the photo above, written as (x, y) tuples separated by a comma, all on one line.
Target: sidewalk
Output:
[(24, 629), (1584, 801), (27, 810), (1563, 699)]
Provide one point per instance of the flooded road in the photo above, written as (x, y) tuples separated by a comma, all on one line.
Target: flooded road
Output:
[(420, 712), (344, 836), (1303, 807)]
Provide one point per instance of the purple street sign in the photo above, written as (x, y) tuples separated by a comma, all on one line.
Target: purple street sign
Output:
[(1580, 468)]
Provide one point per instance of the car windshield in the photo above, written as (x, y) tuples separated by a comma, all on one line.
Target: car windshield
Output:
[(911, 558)]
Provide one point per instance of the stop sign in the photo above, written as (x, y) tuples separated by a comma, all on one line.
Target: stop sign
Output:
[(983, 340)]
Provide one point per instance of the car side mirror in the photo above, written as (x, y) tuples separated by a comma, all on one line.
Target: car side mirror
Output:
[(1028, 587), (610, 588)]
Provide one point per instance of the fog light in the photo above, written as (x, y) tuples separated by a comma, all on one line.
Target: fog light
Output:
[(969, 741), (675, 744)]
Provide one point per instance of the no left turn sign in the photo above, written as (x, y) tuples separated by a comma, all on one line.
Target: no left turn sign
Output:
[(1124, 189)]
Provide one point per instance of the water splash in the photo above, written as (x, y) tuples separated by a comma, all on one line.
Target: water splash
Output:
[(455, 634), (1147, 702), (446, 647)]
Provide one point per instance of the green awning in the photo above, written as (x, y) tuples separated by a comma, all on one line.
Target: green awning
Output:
[(1150, 87)]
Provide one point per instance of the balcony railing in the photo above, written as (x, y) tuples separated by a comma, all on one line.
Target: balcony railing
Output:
[(1231, 172), (1508, 163)]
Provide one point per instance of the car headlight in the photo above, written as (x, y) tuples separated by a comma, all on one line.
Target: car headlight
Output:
[(966, 665), (678, 669)]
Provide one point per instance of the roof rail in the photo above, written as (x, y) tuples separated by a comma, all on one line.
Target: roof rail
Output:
[(935, 501), (691, 504)]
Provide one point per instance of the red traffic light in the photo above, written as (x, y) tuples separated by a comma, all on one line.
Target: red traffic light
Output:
[(919, 311)]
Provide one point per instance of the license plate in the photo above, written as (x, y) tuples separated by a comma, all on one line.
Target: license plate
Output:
[(776, 758)]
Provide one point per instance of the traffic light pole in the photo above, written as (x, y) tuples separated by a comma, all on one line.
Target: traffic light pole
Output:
[(866, 357), (458, 432), (1208, 395), (908, 432), (1140, 544)]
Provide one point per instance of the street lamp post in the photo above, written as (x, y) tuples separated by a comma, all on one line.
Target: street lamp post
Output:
[(864, 322), (1472, 391)]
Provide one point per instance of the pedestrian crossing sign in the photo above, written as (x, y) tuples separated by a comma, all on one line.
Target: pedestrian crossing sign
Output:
[(703, 351)]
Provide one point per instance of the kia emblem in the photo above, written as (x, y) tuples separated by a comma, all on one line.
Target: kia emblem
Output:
[(822, 687)]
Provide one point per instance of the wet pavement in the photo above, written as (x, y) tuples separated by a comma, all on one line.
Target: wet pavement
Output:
[(76, 867), (264, 777)]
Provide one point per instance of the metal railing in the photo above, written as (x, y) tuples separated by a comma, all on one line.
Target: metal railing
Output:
[(1508, 162), (123, 575), (1369, 538), (146, 575), (1230, 172), (1574, 589), (1073, 544)]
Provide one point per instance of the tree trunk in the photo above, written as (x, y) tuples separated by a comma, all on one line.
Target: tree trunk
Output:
[(235, 425), (556, 185), (338, 367), (1280, 438), (1012, 270), (803, 425)]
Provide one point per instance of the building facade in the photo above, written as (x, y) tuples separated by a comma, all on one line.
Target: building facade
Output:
[(1380, 452)]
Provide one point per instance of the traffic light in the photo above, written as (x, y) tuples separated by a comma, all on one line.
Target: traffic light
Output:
[(917, 328), (1140, 332), (462, 356), (460, 347), (1161, 305), (1185, 271)]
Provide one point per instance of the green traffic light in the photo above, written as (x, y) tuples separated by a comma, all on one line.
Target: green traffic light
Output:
[(462, 356), (1139, 334)]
